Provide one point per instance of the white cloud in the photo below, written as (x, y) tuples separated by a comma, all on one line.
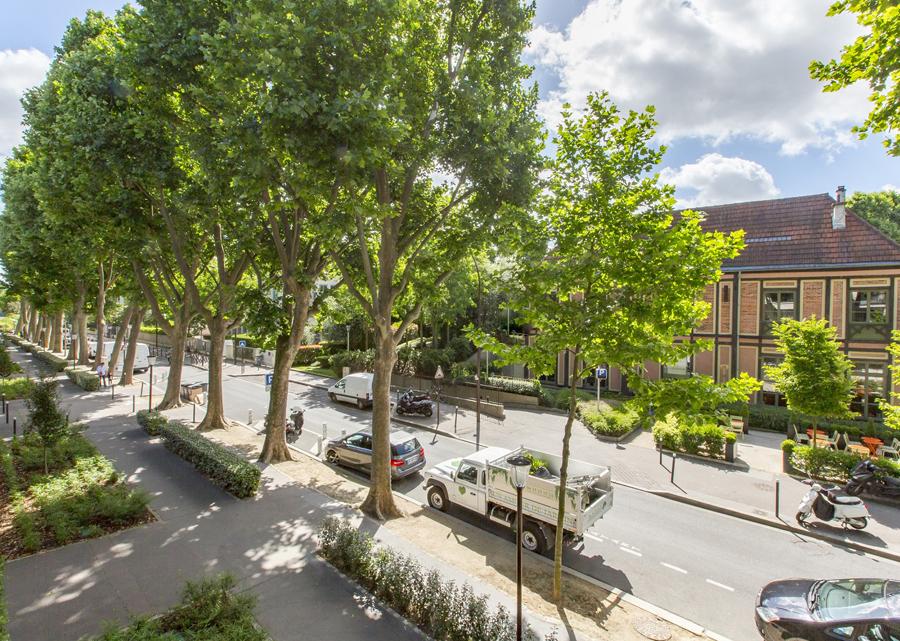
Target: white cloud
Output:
[(715, 69), (20, 69), (715, 179)]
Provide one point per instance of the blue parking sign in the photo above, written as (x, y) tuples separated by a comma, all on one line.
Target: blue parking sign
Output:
[(601, 372), (269, 378)]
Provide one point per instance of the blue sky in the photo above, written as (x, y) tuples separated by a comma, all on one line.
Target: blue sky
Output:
[(737, 111)]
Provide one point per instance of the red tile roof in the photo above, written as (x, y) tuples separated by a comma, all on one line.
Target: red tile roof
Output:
[(797, 232)]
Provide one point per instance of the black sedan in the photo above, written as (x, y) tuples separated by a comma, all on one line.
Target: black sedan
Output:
[(838, 610)]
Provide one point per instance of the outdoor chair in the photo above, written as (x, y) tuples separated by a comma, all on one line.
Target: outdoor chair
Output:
[(849, 440), (799, 436), (831, 441), (891, 451)]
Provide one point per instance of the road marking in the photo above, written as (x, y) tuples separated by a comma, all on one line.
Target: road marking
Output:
[(720, 585), (673, 567), (630, 551)]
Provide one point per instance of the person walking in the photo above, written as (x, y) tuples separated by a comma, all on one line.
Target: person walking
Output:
[(103, 373)]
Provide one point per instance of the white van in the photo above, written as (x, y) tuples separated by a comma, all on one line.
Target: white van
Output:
[(355, 388), (141, 355)]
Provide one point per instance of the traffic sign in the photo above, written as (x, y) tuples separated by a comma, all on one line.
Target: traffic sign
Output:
[(242, 343), (269, 378), (601, 372)]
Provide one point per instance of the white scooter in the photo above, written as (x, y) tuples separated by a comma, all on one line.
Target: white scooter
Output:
[(832, 504)]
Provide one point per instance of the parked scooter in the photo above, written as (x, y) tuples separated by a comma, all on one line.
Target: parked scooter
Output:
[(865, 477), (293, 427), (409, 403), (832, 504)]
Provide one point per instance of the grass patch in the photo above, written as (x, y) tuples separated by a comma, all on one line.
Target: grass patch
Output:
[(14, 388), (210, 610), (317, 370), (81, 497)]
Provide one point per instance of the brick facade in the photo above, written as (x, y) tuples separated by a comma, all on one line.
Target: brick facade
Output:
[(812, 298), (749, 309)]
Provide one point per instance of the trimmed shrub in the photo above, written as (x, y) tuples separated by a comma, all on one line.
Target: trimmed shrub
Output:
[(307, 355), (356, 360), (14, 388), (57, 363), (84, 378), (225, 468), (788, 445), (442, 609), (704, 439), (529, 387), (608, 422), (151, 421), (778, 419), (823, 463)]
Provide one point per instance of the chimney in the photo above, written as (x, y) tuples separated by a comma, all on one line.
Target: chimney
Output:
[(839, 211)]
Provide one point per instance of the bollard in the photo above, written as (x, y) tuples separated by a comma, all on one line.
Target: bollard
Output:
[(249, 417), (133, 404), (672, 475), (142, 389), (14, 427), (194, 414), (455, 416), (660, 456), (4, 403), (7, 413), (113, 386), (777, 499)]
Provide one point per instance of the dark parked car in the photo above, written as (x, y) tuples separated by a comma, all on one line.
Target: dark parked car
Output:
[(407, 454), (838, 610)]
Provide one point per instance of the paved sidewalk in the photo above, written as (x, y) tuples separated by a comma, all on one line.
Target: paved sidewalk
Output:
[(746, 489)]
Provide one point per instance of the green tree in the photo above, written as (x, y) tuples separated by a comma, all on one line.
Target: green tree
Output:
[(815, 375), (424, 87), (873, 57), (44, 416), (880, 208), (611, 276), (891, 411), (696, 399)]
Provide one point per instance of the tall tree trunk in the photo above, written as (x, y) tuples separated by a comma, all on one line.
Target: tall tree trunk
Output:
[(58, 336), (101, 310), (39, 331), (73, 342), (32, 325), (51, 334), (83, 349), (131, 350), (275, 448), (379, 503), (563, 478), (178, 339), (215, 405), (20, 322), (120, 337)]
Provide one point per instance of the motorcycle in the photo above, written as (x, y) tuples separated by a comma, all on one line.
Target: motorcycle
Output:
[(293, 427), (865, 477), (409, 403), (829, 503)]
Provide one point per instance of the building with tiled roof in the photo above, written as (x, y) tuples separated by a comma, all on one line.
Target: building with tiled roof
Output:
[(804, 256)]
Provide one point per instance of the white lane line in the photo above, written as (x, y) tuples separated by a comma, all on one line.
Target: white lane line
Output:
[(720, 585), (673, 567), (630, 551)]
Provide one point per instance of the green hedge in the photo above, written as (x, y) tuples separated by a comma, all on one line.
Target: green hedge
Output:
[(356, 360), (58, 363), (151, 421), (442, 609), (778, 419), (14, 388), (84, 378), (307, 355), (529, 387), (225, 468), (703, 439), (608, 422), (833, 465)]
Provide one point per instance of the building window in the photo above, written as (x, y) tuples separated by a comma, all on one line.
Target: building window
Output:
[(869, 377), (769, 395), (680, 369), (869, 313), (778, 305), (725, 296)]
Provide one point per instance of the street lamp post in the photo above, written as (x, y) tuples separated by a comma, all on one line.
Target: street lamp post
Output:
[(439, 378), (520, 467), (347, 327)]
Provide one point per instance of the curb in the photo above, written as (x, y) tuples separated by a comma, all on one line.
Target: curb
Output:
[(778, 524)]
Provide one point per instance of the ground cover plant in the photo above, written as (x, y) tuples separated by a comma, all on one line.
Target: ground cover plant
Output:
[(80, 496), (8, 366), (608, 422), (210, 610), (13, 388)]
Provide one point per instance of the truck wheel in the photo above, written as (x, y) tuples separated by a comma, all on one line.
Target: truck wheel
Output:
[(437, 499), (533, 538), (332, 397)]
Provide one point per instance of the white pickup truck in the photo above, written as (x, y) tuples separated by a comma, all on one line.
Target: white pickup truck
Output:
[(482, 482)]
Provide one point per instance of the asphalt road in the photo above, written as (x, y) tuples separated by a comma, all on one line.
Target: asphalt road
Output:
[(703, 566)]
